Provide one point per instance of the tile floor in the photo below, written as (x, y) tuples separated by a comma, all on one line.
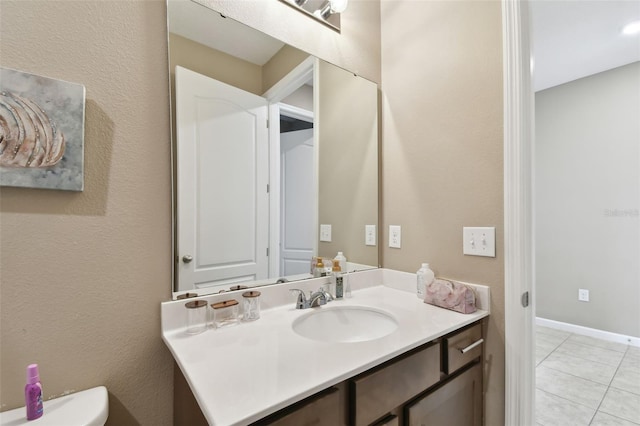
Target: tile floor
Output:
[(582, 381)]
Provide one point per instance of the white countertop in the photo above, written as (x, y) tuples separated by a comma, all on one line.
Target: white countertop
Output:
[(243, 373)]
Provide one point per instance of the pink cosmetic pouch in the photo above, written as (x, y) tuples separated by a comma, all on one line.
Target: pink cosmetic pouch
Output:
[(451, 295)]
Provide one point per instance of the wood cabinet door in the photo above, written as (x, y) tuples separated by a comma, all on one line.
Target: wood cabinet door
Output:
[(376, 393), (458, 402), (323, 409)]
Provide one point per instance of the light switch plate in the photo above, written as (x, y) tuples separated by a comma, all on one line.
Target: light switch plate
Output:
[(395, 236), (325, 233), (370, 235), (479, 241)]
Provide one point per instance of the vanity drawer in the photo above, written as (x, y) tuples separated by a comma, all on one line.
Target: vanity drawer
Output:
[(463, 347), (322, 409), (377, 393)]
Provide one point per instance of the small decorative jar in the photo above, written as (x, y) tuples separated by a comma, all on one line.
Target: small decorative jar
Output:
[(225, 313), (238, 287), (251, 305), (196, 316)]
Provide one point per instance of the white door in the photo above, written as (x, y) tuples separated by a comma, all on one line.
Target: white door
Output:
[(222, 176), (297, 197)]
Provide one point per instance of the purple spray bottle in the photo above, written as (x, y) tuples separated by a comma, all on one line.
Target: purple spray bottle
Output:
[(33, 393)]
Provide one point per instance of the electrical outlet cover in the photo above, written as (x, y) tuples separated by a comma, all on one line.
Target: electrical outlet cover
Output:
[(583, 295), (479, 241), (395, 236), (370, 235)]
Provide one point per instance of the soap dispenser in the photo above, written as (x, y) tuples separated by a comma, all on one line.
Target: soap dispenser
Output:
[(320, 270), (337, 279)]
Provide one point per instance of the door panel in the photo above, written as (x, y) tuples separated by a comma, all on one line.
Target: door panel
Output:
[(222, 175), (298, 201)]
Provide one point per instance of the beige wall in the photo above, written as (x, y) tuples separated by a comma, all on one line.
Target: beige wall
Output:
[(356, 47), (347, 126), (280, 65), (215, 64), (442, 149), (302, 97), (83, 274)]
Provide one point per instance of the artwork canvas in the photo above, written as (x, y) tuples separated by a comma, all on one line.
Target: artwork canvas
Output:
[(41, 132)]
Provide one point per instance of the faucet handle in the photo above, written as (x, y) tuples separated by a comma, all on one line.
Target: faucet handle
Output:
[(327, 294), (301, 302)]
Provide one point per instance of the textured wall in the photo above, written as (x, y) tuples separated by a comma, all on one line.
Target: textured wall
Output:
[(442, 149), (356, 47), (83, 274), (587, 152), (280, 65), (347, 125), (214, 63)]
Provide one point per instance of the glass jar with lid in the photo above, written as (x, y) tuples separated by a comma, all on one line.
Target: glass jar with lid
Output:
[(251, 305), (225, 313)]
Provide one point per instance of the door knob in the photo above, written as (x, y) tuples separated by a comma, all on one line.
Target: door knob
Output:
[(187, 258)]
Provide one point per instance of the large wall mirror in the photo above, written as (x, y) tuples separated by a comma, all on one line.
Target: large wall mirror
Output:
[(275, 156)]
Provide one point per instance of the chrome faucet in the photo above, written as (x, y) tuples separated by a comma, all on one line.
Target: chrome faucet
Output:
[(317, 298)]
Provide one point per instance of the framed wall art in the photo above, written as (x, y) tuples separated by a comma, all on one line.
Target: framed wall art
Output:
[(41, 132)]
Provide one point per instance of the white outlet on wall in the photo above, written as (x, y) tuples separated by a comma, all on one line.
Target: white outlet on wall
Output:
[(370, 235), (395, 236), (325, 233), (583, 295)]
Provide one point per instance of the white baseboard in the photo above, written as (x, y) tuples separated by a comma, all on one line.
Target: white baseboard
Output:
[(591, 332)]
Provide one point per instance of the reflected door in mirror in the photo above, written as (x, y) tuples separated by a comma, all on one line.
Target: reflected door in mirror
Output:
[(222, 177), (297, 195)]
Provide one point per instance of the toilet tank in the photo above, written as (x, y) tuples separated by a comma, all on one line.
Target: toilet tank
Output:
[(86, 408)]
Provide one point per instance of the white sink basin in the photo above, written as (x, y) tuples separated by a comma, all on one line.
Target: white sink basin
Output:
[(343, 324)]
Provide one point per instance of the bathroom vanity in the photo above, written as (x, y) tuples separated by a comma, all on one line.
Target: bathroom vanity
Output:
[(426, 370)]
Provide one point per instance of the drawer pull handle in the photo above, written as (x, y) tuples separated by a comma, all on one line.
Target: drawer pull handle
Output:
[(471, 346)]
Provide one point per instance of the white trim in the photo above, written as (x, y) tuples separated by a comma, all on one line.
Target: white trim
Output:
[(591, 332), (296, 112), (274, 190), (283, 88), (316, 154), (292, 81), (518, 235)]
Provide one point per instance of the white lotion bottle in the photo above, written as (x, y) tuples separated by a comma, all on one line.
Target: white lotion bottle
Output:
[(343, 261), (425, 276)]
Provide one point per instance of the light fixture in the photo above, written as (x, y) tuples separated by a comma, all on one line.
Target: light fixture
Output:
[(331, 7), (326, 11), (631, 28), (338, 6)]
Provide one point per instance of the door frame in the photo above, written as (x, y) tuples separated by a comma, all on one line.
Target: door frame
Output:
[(275, 111), (283, 88), (518, 214)]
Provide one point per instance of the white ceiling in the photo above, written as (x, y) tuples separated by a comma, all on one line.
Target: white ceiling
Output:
[(572, 39), (201, 24)]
